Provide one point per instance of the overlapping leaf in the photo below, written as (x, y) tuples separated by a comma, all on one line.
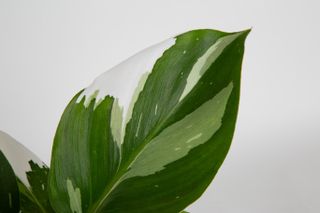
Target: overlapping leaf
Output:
[(150, 134), (28, 174), (9, 193)]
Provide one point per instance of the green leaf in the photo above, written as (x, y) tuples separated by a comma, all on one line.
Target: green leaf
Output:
[(150, 134), (31, 175), (35, 197), (9, 193)]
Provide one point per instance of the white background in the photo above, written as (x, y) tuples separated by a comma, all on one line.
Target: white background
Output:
[(49, 50)]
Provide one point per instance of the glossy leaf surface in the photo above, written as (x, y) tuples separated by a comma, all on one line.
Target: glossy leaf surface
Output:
[(150, 134)]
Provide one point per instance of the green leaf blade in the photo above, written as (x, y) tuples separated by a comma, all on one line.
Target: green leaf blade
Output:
[(88, 155), (164, 86), (177, 140), (158, 164), (9, 193)]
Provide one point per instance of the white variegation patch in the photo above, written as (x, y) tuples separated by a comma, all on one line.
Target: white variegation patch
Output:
[(205, 61), (197, 136), (74, 197), (125, 81), (18, 156), (10, 199), (116, 121), (139, 123), (177, 140)]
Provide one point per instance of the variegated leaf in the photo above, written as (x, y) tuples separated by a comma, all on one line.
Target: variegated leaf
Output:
[(31, 176), (150, 134)]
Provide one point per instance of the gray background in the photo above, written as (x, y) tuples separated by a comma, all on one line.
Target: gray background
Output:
[(49, 50)]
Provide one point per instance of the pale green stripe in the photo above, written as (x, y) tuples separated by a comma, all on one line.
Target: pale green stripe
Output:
[(204, 62), (74, 197), (10, 200), (116, 122), (178, 139)]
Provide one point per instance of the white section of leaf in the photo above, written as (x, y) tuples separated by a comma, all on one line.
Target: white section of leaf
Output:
[(121, 80), (156, 109), (205, 61), (126, 79), (139, 123), (18, 156), (74, 197), (194, 138)]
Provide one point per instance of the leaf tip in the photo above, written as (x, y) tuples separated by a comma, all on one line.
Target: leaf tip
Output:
[(246, 32)]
